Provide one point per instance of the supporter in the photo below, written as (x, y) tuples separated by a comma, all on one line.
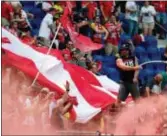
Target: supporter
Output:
[(138, 39), (161, 18), (93, 68), (7, 13), (157, 84), (14, 28), (47, 5), (147, 15), (92, 7), (101, 32), (62, 106), (47, 27), (67, 56), (68, 49), (78, 58), (114, 29), (107, 7), (28, 39), (15, 3), (128, 66), (132, 17), (21, 17), (59, 8)]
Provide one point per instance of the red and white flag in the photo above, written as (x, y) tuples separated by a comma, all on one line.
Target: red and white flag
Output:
[(93, 93), (85, 44)]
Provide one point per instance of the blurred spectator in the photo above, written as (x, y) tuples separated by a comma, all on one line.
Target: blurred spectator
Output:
[(138, 39), (15, 3), (14, 28), (101, 32), (58, 7), (47, 27), (157, 84), (147, 14), (69, 47), (161, 18), (47, 5), (92, 7), (114, 29), (132, 17), (28, 39), (78, 58), (67, 51), (21, 17), (7, 13), (107, 7), (93, 68)]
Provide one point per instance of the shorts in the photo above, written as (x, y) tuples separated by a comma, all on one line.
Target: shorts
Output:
[(44, 41), (126, 88), (148, 25)]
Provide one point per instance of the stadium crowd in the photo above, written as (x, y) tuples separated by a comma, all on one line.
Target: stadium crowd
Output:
[(127, 30)]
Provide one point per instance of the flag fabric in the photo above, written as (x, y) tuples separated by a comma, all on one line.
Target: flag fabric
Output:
[(84, 43), (90, 91)]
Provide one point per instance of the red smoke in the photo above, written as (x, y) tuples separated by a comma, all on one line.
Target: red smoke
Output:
[(142, 119)]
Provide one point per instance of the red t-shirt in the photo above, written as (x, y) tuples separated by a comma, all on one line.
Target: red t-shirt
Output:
[(114, 30), (97, 37), (67, 51), (6, 10), (27, 40), (91, 10), (108, 7), (160, 6)]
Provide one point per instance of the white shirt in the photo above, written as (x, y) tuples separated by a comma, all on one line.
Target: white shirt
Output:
[(44, 30), (130, 5), (147, 14)]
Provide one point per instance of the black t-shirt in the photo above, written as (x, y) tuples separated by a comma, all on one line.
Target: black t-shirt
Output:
[(127, 76)]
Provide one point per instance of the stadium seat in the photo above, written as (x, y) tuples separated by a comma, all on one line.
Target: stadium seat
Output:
[(113, 74), (38, 13), (123, 38), (142, 76), (27, 3), (34, 32), (140, 52), (150, 66), (151, 41), (150, 74), (98, 58), (161, 66), (109, 61), (153, 54), (162, 50), (35, 23)]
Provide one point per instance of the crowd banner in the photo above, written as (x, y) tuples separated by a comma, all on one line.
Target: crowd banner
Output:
[(50, 47), (92, 97)]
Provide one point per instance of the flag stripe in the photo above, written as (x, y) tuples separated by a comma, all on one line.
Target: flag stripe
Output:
[(55, 73)]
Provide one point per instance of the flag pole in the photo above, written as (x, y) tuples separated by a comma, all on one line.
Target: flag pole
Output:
[(50, 47)]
